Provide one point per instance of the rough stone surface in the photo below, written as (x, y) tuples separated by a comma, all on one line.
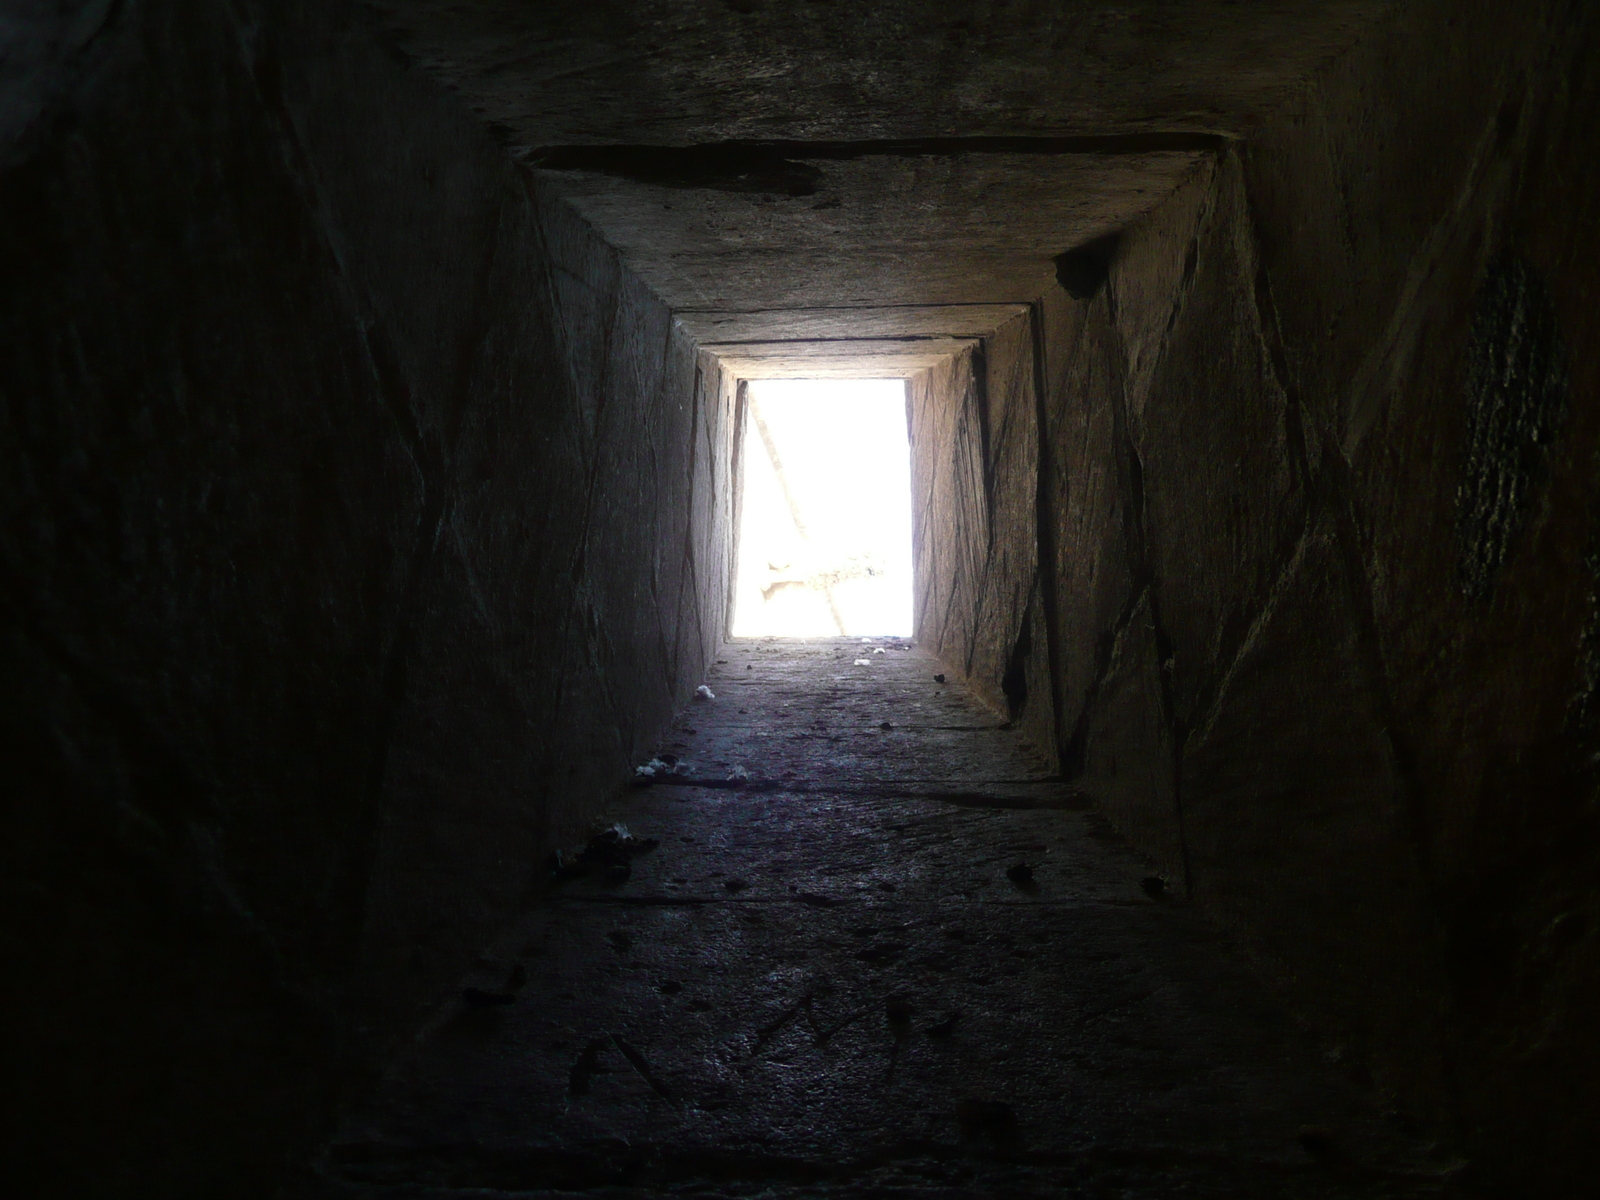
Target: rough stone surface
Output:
[(952, 226), (1090, 517), (366, 511), (1516, 405), (836, 358), (851, 323), (1211, 431), (876, 167), (950, 512), (978, 598), (1465, 157), (1258, 441), (362, 519), (1129, 747), (827, 982), (1293, 805)]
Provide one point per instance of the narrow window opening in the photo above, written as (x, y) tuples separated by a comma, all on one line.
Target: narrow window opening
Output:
[(825, 520)]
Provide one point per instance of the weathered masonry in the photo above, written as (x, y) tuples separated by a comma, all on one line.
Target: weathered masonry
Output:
[(369, 405)]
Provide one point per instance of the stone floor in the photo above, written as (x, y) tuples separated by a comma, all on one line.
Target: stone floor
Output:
[(899, 961)]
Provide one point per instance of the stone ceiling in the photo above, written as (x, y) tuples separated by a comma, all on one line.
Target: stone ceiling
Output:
[(821, 187)]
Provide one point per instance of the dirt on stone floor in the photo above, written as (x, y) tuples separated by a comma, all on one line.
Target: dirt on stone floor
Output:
[(873, 951)]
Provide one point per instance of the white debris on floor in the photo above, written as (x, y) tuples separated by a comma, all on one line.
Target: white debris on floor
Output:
[(657, 767), (704, 693)]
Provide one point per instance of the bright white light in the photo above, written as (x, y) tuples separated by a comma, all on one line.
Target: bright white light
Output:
[(825, 545)]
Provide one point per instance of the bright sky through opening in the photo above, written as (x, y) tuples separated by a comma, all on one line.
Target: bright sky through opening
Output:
[(825, 531)]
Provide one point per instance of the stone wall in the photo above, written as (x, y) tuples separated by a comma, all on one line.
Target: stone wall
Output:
[(979, 600), (363, 520), (1325, 456), (1447, 381), (1232, 724), (1317, 470)]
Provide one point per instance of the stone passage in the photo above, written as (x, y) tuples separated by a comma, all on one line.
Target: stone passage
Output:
[(896, 960)]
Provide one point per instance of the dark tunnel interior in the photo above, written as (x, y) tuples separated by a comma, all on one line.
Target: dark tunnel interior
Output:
[(390, 810)]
